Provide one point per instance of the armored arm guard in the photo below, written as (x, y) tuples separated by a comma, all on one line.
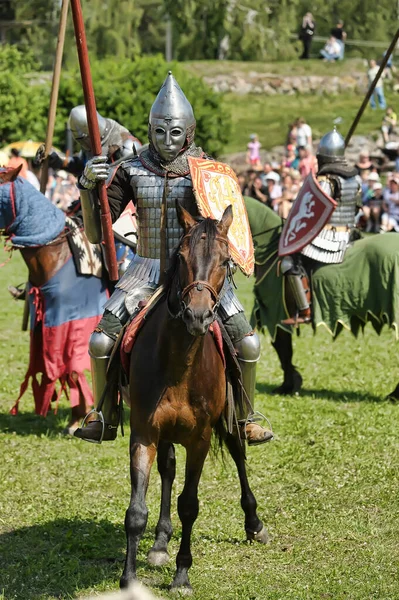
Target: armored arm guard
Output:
[(91, 215)]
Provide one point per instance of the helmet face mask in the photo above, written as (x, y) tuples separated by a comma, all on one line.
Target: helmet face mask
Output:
[(168, 137), (171, 121)]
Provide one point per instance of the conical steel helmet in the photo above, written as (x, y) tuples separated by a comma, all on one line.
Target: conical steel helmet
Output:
[(172, 105), (331, 144), (79, 127)]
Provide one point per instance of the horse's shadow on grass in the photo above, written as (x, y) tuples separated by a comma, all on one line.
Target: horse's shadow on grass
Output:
[(61, 558), (324, 394), (31, 424)]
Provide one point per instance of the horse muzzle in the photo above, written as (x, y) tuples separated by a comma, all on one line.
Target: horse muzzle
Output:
[(198, 321)]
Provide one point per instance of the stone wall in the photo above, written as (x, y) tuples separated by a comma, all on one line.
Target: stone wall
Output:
[(272, 84)]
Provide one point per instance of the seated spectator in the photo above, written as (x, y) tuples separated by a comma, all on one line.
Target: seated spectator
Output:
[(340, 35), (242, 182), (373, 209), (289, 193), (253, 146), (364, 163), (331, 50), (388, 124), (369, 179), (258, 191), (390, 219), (307, 162), (274, 190), (267, 168), (290, 156)]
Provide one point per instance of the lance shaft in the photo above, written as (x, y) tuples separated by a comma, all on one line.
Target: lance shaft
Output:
[(371, 88), (55, 85), (94, 134)]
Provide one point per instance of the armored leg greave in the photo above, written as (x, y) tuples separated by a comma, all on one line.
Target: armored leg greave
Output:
[(299, 289), (100, 349), (248, 353)]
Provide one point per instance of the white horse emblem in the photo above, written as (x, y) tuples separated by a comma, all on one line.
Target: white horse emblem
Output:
[(297, 222)]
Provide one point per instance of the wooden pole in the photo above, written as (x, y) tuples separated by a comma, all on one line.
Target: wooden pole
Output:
[(94, 133), (371, 88), (55, 85)]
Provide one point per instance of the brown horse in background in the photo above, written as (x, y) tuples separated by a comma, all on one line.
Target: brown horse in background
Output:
[(178, 395), (44, 262)]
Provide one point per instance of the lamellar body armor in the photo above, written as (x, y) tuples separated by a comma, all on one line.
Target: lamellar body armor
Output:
[(142, 275), (330, 245)]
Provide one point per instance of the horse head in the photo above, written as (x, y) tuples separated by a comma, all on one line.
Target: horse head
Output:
[(204, 260), (8, 175)]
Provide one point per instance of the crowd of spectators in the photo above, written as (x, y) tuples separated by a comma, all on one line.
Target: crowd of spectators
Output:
[(276, 184)]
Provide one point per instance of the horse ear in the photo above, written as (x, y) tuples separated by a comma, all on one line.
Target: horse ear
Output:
[(226, 220), (185, 219), (10, 174)]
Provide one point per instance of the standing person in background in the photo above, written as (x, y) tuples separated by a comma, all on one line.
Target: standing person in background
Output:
[(379, 88), (253, 147), (340, 35), (303, 133), (16, 160), (306, 34)]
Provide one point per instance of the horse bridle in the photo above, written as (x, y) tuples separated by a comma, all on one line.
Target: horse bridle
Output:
[(200, 285)]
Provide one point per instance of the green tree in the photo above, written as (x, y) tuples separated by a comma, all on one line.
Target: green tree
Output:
[(125, 91)]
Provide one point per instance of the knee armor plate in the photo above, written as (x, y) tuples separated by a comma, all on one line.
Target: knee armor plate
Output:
[(248, 348), (100, 345)]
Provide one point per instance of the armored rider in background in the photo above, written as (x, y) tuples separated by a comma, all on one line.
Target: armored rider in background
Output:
[(116, 142), (162, 168), (338, 180)]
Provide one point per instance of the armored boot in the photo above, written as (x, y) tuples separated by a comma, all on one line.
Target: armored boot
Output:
[(104, 427), (248, 352), (299, 289)]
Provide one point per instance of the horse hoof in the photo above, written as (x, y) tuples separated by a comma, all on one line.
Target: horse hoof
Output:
[(157, 558), (262, 536)]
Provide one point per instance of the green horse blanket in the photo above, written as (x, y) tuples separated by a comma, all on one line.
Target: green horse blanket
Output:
[(364, 288)]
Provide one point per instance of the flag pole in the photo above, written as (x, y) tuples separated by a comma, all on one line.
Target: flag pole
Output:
[(94, 133), (55, 85)]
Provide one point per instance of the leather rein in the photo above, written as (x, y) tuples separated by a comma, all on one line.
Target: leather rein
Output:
[(199, 285)]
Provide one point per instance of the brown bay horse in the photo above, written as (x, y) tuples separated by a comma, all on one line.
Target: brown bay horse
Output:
[(60, 307), (178, 396)]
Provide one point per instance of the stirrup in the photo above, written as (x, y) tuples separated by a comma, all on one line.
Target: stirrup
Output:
[(101, 418), (257, 417)]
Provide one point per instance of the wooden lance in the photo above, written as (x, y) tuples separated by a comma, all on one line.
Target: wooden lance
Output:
[(372, 88), (94, 133), (55, 85)]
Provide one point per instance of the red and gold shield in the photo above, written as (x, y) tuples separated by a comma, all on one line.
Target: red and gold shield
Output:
[(215, 186), (310, 211)]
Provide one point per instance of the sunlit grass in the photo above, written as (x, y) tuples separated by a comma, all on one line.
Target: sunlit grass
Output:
[(327, 488)]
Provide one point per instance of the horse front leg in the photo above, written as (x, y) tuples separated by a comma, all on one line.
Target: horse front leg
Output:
[(188, 506), (158, 555), (292, 378), (141, 459), (254, 527)]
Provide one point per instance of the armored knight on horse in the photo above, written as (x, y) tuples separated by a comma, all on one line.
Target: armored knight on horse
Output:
[(155, 181), (319, 227)]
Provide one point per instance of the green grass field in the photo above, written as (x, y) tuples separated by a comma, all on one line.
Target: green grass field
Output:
[(269, 116), (327, 487)]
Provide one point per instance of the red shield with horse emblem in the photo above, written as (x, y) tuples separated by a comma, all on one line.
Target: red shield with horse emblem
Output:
[(215, 186), (309, 213)]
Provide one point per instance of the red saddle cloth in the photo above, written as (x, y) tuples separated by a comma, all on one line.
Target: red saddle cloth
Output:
[(137, 323)]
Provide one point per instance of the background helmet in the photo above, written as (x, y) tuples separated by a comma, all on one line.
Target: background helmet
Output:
[(78, 125), (331, 145)]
